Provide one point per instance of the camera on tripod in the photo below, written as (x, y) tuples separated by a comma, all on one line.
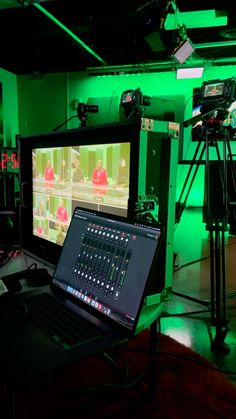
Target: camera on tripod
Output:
[(82, 108), (219, 210), (215, 98), (82, 112)]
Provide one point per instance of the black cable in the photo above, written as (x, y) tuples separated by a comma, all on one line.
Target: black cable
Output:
[(32, 266), (189, 313), (8, 254), (140, 375), (122, 385), (199, 260), (125, 383), (233, 294), (191, 263), (149, 364)]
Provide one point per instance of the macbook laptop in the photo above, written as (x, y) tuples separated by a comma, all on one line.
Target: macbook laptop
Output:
[(94, 301)]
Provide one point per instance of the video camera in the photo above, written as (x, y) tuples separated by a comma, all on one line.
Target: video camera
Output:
[(133, 102), (83, 110), (134, 98)]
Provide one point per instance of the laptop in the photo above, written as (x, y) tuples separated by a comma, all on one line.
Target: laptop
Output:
[(99, 284)]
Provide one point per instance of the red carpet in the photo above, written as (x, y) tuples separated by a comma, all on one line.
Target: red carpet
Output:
[(187, 386)]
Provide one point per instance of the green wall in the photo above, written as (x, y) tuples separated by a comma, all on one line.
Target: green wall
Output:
[(9, 107), (42, 102), (46, 101), (159, 84)]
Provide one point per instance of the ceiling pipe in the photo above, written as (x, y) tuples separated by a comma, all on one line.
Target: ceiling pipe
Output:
[(68, 32), (217, 44), (157, 66)]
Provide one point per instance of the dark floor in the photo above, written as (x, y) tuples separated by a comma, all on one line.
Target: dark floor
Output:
[(191, 242)]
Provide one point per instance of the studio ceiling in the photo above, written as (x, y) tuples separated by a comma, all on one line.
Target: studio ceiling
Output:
[(53, 36)]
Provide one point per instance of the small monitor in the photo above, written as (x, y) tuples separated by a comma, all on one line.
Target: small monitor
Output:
[(213, 90)]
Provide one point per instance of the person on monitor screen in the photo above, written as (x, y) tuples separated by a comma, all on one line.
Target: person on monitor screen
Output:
[(39, 230), (35, 169), (40, 210), (99, 179), (60, 235), (122, 174), (78, 175), (63, 177), (62, 214), (49, 175)]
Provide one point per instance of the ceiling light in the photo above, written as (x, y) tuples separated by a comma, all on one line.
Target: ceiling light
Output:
[(189, 73)]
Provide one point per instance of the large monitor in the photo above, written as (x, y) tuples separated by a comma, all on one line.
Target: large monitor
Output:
[(91, 167)]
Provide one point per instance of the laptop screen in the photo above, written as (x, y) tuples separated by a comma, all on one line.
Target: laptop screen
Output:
[(106, 263)]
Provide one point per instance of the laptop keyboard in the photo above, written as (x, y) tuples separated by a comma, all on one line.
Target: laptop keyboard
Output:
[(65, 327)]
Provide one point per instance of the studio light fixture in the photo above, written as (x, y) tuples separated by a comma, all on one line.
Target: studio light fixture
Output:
[(189, 73), (183, 51), (183, 48)]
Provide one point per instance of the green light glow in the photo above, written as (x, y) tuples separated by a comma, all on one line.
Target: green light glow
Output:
[(68, 31), (196, 19), (176, 328), (216, 44)]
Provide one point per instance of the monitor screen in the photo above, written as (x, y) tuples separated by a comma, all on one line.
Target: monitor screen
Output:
[(94, 175), (90, 167), (213, 90)]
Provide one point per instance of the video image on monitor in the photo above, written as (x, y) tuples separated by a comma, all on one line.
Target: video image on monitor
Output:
[(91, 176)]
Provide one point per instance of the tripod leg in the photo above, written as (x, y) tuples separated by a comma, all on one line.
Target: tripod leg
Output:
[(216, 224), (231, 161), (212, 275), (219, 316)]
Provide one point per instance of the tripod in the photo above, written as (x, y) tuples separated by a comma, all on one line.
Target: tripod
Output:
[(216, 220)]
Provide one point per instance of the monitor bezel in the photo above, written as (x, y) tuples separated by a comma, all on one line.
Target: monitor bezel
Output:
[(121, 132)]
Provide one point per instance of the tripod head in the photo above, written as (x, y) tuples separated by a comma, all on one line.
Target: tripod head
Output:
[(215, 97), (213, 122), (214, 100)]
